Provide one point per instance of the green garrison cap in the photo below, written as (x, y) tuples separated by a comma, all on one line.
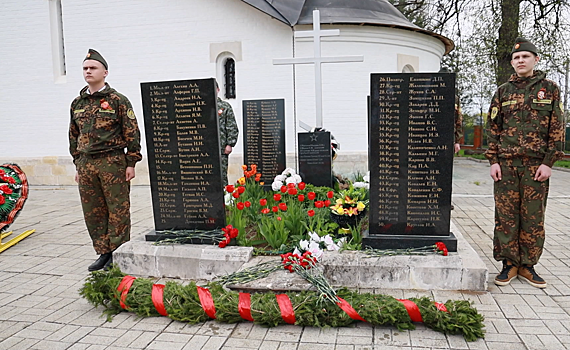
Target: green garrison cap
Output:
[(521, 44), (94, 55)]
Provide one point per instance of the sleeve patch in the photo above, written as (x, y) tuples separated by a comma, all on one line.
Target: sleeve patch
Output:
[(494, 112), (131, 113)]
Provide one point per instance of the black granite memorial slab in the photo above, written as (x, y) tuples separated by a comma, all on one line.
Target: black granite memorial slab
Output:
[(264, 137), (411, 134), (181, 128), (315, 158)]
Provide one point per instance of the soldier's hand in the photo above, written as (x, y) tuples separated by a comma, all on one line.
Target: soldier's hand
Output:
[(228, 149), (456, 148), (496, 172), (130, 172), (543, 173), (76, 177)]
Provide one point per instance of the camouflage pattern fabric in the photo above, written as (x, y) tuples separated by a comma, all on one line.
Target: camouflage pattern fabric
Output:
[(229, 133), (102, 125), (105, 200), (525, 130), (101, 122), (520, 205), (458, 126)]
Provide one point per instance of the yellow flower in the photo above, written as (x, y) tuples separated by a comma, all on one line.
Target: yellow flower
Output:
[(241, 180), (339, 201), (340, 210), (348, 200), (360, 206), (352, 211)]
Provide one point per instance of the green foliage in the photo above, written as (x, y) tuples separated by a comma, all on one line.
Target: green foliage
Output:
[(183, 304), (274, 231)]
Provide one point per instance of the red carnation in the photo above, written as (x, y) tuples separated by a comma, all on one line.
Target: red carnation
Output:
[(234, 232), (223, 244)]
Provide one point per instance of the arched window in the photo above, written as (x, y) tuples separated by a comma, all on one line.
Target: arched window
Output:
[(230, 78), (408, 69)]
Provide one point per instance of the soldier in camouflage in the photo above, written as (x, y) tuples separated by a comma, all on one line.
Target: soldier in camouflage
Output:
[(228, 133), (458, 126), (525, 135), (102, 125)]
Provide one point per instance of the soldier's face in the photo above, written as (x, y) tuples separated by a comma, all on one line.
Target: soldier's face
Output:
[(523, 62), (94, 72)]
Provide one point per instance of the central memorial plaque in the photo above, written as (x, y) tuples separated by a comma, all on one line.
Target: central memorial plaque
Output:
[(264, 136), (315, 158), (411, 160), (181, 128)]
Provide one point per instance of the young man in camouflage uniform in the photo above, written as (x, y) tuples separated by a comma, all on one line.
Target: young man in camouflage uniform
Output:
[(102, 125), (228, 133), (458, 126), (526, 135)]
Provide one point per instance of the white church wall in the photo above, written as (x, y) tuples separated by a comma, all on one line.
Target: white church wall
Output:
[(142, 41)]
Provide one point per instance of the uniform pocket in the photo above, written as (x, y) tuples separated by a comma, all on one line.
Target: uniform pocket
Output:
[(541, 106)]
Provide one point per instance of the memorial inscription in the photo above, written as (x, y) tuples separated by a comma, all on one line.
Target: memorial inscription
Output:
[(264, 136), (411, 154), (181, 126), (315, 158)]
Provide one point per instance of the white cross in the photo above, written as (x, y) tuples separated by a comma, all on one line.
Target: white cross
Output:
[(317, 60)]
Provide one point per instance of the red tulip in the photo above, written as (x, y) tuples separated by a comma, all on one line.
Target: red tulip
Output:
[(330, 194), (311, 195), (283, 206), (263, 201), (292, 191), (277, 197), (265, 211), (241, 189), (319, 204), (327, 203), (290, 185), (230, 188), (235, 195), (301, 185), (279, 218), (247, 204), (311, 213), (301, 198), (275, 209), (283, 189), (240, 206)]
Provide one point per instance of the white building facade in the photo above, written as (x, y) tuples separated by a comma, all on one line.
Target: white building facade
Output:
[(43, 44)]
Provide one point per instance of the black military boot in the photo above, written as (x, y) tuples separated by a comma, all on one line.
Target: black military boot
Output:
[(108, 264), (100, 262)]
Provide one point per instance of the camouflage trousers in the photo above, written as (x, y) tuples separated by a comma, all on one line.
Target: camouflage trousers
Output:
[(105, 200), (520, 205), (224, 163)]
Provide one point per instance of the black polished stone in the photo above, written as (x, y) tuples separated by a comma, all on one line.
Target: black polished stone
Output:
[(264, 137), (411, 135), (181, 128), (315, 158)]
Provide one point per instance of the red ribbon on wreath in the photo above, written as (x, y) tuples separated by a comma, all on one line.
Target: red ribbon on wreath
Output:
[(286, 308), (206, 301), (157, 297), (124, 287), (244, 306)]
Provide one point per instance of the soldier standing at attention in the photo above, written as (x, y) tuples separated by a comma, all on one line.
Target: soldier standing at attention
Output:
[(102, 125), (526, 135), (458, 126), (229, 133)]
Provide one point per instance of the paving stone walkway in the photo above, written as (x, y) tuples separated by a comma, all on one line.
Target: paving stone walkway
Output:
[(40, 307)]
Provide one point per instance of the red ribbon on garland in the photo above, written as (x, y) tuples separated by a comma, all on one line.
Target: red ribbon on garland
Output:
[(244, 306), (286, 308), (157, 297), (124, 287), (440, 306), (346, 307), (206, 301), (412, 309)]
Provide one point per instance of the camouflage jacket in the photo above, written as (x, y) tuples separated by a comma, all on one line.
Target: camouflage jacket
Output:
[(102, 122), (228, 127), (525, 121), (458, 126)]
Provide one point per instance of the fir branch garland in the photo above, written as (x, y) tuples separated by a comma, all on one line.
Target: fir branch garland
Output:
[(182, 303)]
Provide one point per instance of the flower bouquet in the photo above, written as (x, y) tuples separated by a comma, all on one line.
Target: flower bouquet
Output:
[(350, 206), (288, 176)]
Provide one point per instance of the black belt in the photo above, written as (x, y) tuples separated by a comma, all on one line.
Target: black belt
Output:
[(113, 152)]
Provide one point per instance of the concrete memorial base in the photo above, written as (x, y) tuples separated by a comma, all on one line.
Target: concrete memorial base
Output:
[(463, 270)]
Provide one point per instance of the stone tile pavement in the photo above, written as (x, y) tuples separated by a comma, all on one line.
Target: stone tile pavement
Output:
[(40, 307)]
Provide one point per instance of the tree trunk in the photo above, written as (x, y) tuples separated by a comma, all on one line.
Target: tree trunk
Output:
[(508, 32)]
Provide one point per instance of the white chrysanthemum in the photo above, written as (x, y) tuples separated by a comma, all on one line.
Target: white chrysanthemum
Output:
[(290, 180), (366, 177), (297, 178), (276, 186), (280, 178), (288, 171)]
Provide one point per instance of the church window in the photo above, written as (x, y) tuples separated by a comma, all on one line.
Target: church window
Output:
[(57, 40), (408, 69), (230, 78)]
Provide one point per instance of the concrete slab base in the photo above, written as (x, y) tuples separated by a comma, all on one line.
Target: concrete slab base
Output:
[(463, 270)]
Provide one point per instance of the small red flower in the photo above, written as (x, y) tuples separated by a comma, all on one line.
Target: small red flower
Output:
[(279, 218), (327, 203), (265, 211), (311, 213), (283, 189), (311, 195), (6, 189), (235, 195), (223, 244), (330, 194), (10, 180), (263, 201), (292, 191), (319, 204), (283, 206), (275, 209), (277, 197), (247, 204), (290, 185), (240, 206), (301, 198), (234, 232), (230, 188), (301, 185), (241, 189)]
